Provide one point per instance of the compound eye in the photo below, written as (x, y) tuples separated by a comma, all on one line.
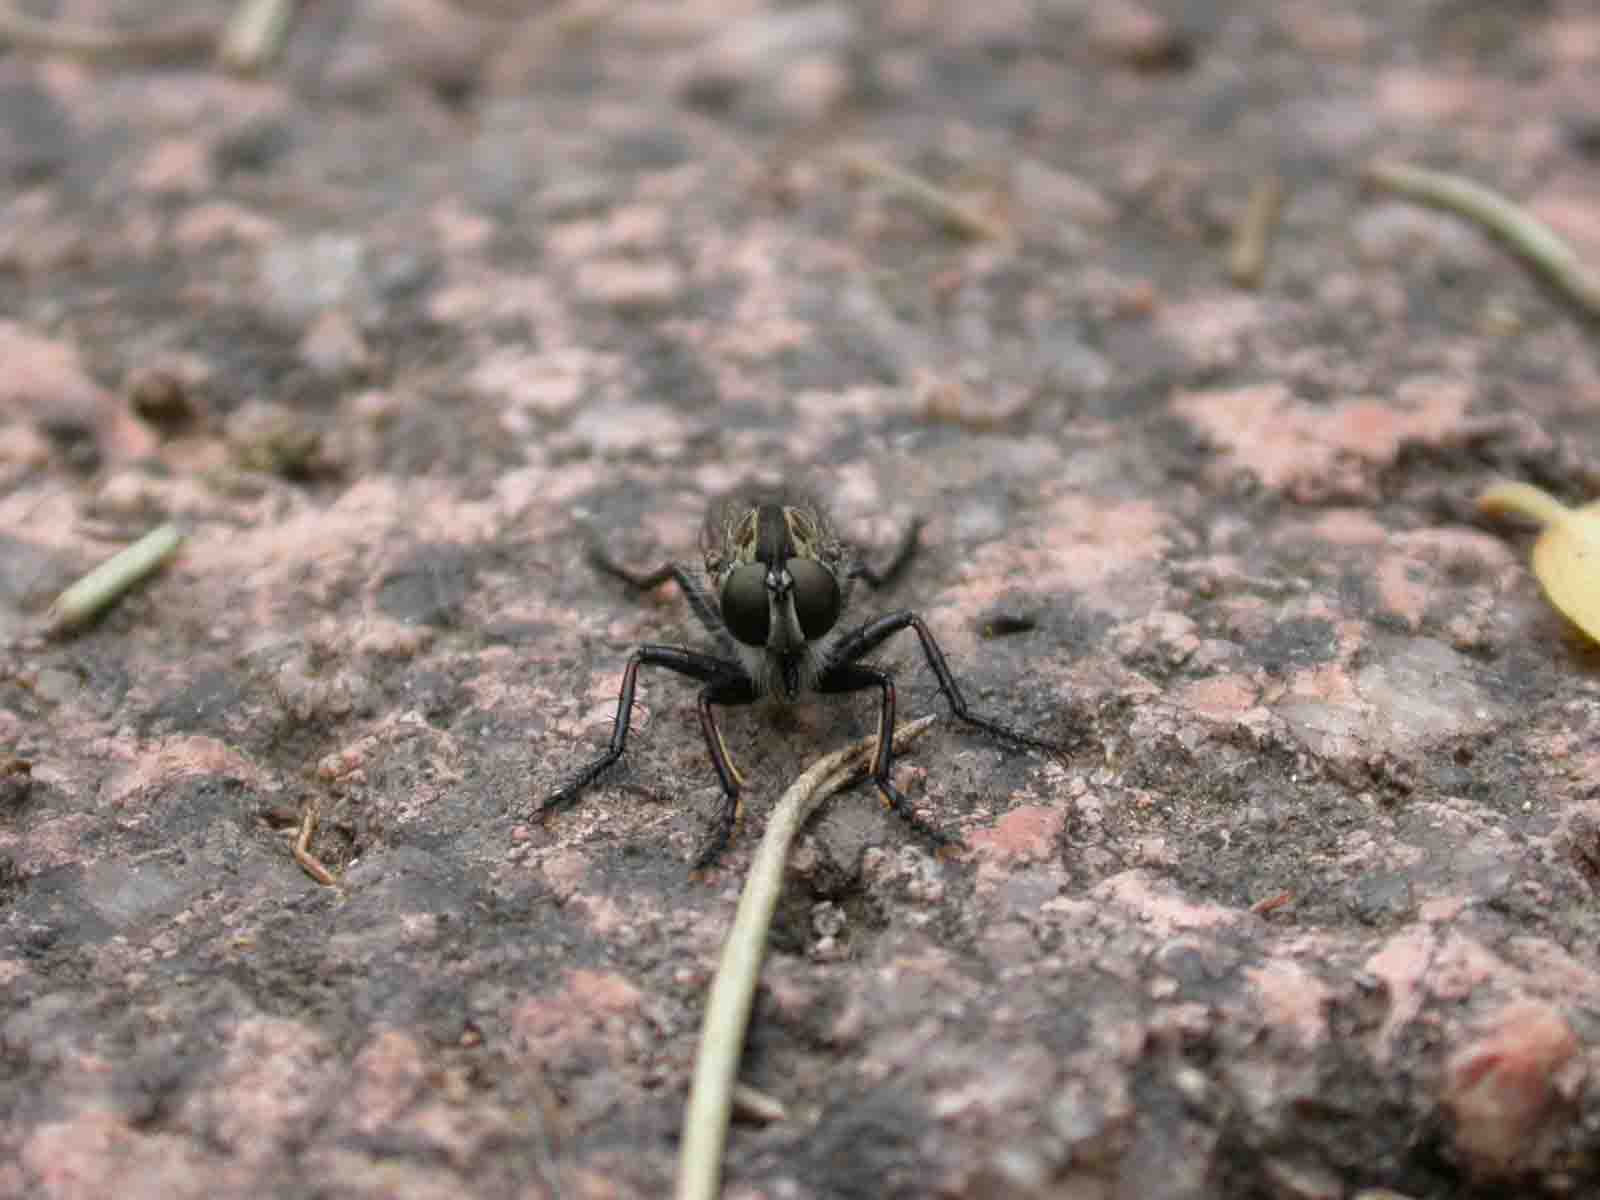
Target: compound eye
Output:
[(816, 596), (744, 604)]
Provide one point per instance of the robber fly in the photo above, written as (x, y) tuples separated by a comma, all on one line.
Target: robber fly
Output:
[(777, 579)]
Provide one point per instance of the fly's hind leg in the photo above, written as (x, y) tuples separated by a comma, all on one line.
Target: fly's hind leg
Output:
[(878, 578), (699, 603)]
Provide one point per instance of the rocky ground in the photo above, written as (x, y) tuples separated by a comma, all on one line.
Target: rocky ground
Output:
[(1309, 911)]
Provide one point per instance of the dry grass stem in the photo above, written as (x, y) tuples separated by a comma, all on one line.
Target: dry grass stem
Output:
[(932, 199), (56, 37), (757, 1106), (705, 1124), (256, 34), (309, 862), (1252, 237), (1528, 237), (103, 586)]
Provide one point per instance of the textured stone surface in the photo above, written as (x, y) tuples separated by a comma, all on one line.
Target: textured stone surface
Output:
[(1309, 911)]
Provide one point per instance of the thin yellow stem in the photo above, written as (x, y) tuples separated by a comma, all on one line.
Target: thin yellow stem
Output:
[(1523, 499), (1530, 238)]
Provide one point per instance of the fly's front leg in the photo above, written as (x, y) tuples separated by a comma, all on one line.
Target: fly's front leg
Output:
[(705, 667), (870, 636), (853, 677)]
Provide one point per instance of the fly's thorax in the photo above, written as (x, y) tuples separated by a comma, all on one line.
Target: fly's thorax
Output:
[(730, 534)]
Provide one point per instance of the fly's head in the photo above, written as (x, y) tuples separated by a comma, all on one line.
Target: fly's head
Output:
[(780, 577)]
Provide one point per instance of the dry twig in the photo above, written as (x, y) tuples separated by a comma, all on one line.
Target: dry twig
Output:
[(309, 862), (1252, 237), (705, 1124), (101, 587), (1528, 237), (755, 1105), (56, 37), (256, 34), (1271, 904), (932, 199)]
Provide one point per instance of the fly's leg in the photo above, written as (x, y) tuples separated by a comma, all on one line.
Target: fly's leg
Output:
[(903, 554), (857, 645), (733, 690), (726, 684), (705, 667), (853, 677), (844, 673), (699, 603)]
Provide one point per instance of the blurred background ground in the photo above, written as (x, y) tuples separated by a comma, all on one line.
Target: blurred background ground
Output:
[(1308, 913)]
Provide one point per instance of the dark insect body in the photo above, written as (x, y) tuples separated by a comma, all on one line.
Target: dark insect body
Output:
[(777, 579)]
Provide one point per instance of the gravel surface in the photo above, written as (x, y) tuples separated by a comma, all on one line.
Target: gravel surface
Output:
[(1309, 911)]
